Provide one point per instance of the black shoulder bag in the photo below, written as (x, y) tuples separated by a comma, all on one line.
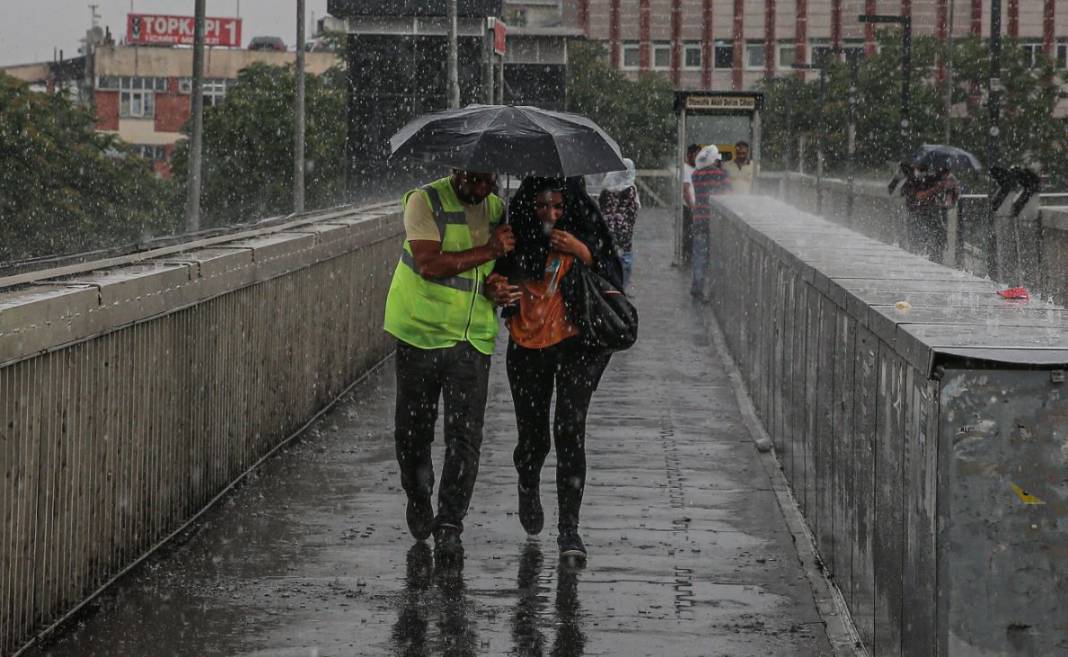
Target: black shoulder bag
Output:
[(605, 316)]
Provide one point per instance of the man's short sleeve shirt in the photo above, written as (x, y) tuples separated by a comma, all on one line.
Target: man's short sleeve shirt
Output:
[(419, 221)]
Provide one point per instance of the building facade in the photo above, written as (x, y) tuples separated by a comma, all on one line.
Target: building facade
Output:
[(143, 94), (733, 44)]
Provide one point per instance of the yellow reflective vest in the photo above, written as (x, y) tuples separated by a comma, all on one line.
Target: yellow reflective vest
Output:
[(440, 312)]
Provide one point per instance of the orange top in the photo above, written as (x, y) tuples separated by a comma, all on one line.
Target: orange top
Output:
[(542, 318)]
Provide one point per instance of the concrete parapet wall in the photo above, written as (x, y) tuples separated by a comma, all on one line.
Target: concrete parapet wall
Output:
[(134, 391), (919, 419)]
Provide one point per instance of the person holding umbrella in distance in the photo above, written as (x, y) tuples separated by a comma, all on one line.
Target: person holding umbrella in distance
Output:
[(440, 304)]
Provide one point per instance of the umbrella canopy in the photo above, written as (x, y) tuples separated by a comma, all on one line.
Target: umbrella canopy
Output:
[(938, 156), (511, 140)]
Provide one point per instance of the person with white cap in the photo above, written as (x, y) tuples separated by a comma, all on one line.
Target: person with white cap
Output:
[(709, 179)]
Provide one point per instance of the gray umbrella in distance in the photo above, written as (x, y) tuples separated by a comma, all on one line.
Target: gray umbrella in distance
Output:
[(938, 156), (504, 139)]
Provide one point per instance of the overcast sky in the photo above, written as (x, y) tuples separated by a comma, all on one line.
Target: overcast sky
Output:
[(31, 29)]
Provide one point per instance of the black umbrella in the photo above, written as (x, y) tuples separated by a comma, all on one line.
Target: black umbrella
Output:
[(512, 140), (938, 156)]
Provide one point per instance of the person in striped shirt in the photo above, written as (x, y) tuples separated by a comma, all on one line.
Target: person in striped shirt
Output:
[(709, 179)]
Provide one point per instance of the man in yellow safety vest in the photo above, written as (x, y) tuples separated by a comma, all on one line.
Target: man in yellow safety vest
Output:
[(441, 310)]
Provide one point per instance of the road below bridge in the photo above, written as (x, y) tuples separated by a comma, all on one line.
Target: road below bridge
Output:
[(690, 552)]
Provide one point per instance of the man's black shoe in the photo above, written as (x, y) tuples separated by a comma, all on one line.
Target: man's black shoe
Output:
[(531, 515), (448, 548), (420, 516), (571, 545)]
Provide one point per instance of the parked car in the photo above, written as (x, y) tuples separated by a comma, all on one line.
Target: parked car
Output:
[(267, 43)]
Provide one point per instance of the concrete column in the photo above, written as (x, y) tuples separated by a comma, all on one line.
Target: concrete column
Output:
[(708, 44), (769, 38), (870, 7), (836, 24), (676, 42), (739, 44), (801, 36), (645, 46), (1048, 23), (614, 45)]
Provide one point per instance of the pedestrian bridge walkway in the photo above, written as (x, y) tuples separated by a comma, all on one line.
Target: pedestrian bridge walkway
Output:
[(690, 553), (198, 455)]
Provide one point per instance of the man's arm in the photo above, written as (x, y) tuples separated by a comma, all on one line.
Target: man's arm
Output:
[(432, 262), (687, 194)]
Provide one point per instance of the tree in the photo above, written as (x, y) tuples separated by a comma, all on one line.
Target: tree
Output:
[(639, 114), (248, 145), (1030, 133), (64, 187)]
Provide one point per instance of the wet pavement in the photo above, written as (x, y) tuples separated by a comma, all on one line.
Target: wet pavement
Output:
[(689, 550)]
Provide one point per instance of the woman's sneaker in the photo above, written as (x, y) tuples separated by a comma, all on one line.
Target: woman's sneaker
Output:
[(448, 548), (571, 545), (531, 515), (420, 517)]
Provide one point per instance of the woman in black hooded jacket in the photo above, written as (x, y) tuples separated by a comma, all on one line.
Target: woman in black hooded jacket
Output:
[(558, 230)]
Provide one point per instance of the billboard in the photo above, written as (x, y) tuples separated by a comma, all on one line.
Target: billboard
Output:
[(160, 30)]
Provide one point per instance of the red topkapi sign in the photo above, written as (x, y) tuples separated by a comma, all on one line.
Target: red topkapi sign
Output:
[(500, 37), (156, 29)]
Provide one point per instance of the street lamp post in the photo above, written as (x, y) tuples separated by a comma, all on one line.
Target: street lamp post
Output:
[(851, 145), (906, 70)]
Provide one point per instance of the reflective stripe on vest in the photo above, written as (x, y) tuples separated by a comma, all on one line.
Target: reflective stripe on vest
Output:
[(455, 282), (441, 217)]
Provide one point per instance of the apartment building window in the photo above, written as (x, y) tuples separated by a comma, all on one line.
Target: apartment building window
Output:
[(724, 54), (1032, 54), (822, 52), (215, 91), (150, 152), (787, 55), (755, 57), (137, 96), (853, 49), (1062, 55), (691, 56), (631, 56), (662, 55)]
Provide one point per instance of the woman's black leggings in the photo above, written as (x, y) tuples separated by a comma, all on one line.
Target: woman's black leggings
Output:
[(575, 370)]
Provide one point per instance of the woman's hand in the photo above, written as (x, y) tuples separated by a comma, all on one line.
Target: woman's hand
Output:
[(565, 242)]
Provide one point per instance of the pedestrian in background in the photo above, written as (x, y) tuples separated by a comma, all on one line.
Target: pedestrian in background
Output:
[(558, 229), (709, 179), (440, 308), (928, 199), (741, 170), (619, 202), (687, 199)]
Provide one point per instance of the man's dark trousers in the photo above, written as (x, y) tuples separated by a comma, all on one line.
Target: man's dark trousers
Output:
[(460, 374)]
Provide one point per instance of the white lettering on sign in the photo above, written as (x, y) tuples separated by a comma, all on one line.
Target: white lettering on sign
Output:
[(153, 29), (721, 102)]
